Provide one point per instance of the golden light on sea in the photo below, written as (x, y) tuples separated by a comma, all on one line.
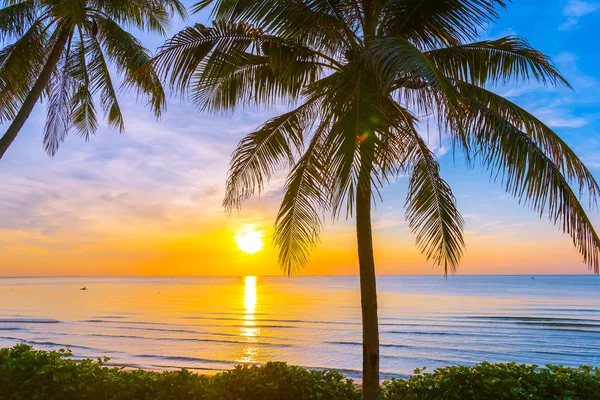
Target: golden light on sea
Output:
[(249, 332), (250, 295)]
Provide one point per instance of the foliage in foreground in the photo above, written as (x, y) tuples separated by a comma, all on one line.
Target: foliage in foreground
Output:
[(497, 381), (26, 373)]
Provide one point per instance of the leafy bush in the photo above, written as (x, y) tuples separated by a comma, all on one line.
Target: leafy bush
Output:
[(27, 374), (497, 381), (277, 381)]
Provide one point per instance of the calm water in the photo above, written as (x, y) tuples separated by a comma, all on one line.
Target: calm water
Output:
[(208, 324)]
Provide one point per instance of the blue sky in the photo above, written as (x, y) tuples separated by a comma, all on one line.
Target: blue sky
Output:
[(148, 201)]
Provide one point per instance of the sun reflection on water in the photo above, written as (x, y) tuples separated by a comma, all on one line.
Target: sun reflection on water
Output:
[(249, 332), (250, 295)]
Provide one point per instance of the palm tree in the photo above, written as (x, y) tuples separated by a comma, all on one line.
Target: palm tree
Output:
[(359, 76), (61, 50)]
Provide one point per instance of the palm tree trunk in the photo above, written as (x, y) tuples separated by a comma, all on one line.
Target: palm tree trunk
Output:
[(35, 92), (368, 287)]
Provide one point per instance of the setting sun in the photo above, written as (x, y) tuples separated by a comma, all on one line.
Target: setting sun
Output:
[(249, 241)]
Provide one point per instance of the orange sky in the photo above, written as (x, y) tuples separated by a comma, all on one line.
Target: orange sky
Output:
[(197, 249), (148, 201), (139, 204)]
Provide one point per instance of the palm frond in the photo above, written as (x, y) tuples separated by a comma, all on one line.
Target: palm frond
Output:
[(232, 56), (180, 56), (394, 149), (101, 82), (354, 115), (83, 111), (263, 152), (539, 133), (58, 119), (20, 63), (322, 24), (16, 19), (431, 23), (246, 79), (532, 177), (299, 223), (397, 58), (133, 61), (431, 210), (73, 11), (149, 15), (496, 61)]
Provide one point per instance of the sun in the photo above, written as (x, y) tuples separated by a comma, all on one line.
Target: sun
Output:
[(249, 241)]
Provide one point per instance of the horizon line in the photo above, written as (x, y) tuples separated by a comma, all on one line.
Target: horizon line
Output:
[(591, 273)]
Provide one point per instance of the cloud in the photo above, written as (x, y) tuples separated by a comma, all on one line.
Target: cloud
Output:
[(158, 176), (573, 122), (564, 108), (567, 64), (559, 114), (517, 91), (574, 10), (593, 165)]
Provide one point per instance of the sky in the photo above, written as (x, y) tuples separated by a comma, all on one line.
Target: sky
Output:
[(148, 201)]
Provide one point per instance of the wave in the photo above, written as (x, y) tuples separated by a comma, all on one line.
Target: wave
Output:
[(346, 371), (175, 339), (48, 343), (360, 344), (186, 359), (565, 324), (291, 321), (569, 310), (556, 353), (28, 321), (195, 368), (72, 346), (527, 318), (357, 373), (430, 333), (99, 321)]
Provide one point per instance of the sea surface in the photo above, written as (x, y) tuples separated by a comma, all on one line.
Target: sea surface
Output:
[(210, 324)]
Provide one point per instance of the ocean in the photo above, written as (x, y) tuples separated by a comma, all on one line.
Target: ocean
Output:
[(210, 324)]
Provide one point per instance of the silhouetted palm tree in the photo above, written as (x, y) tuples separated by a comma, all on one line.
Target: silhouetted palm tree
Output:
[(360, 74), (62, 49)]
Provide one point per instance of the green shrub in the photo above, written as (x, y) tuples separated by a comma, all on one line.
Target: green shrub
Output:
[(497, 381), (277, 381), (28, 374)]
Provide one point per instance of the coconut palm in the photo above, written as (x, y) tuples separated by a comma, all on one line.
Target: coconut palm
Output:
[(359, 76), (63, 50)]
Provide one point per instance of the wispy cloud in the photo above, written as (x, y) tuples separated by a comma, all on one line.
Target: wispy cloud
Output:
[(574, 10), (567, 64), (573, 122), (156, 176), (563, 108)]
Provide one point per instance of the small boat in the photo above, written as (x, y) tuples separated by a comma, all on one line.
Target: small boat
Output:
[(83, 288)]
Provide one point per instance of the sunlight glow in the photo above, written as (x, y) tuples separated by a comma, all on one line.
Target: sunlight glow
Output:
[(249, 241), (250, 295), (249, 332)]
